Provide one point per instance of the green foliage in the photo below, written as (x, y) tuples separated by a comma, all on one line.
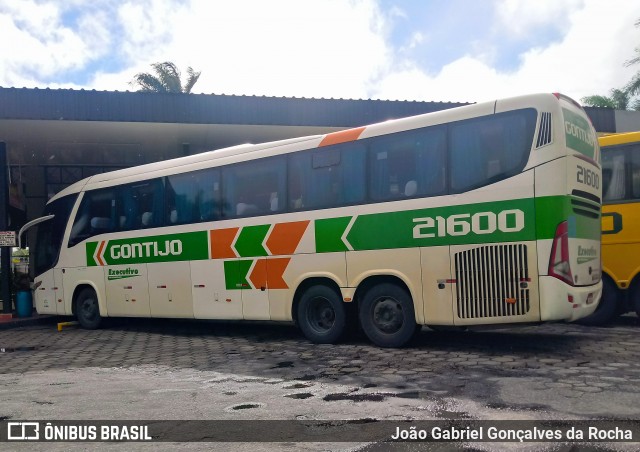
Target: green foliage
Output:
[(633, 87), (618, 99), (167, 79), (598, 101)]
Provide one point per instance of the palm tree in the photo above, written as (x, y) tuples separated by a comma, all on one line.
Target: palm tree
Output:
[(165, 80), (619, 100), (633, 87)]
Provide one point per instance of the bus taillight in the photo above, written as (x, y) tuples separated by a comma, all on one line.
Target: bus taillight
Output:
[(559, 265)]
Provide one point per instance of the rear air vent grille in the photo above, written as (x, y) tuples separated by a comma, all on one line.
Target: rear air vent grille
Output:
[(492, 281), (585, 204), (544, 131)]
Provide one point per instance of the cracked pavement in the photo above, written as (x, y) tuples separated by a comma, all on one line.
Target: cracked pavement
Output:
[(168, 369)]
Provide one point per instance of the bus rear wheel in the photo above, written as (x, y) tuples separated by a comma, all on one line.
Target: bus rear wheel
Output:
[(88, 310), (387, 317), (321, 315)]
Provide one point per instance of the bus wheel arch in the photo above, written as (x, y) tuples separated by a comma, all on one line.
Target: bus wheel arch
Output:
[(319, 311), (86, 306), (386, 311)]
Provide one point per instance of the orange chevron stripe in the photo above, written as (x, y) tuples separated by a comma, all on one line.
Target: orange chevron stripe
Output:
[(269, 273), (275, 272), (341, 137), (99, 254), (285, 237), (221, 241), (258, 276)]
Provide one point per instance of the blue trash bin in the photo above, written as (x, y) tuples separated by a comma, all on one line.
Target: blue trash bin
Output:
[(24, 303)]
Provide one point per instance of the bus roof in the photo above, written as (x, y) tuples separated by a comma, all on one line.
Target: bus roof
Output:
[(454, 114), (619, 138)]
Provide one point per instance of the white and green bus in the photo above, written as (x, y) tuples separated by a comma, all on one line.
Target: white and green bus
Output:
[(480, 215)]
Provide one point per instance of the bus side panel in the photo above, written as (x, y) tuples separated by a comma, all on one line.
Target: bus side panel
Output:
[(436, 285), (211, 298), (45, 295), (279, 271), (621, 242), (255, 300), (403, 263), (128, 296), (170, 289)]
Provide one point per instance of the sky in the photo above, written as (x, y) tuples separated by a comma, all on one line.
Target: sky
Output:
[(421, 50)]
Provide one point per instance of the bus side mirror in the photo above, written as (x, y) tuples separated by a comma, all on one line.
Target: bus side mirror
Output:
[(30, 224)]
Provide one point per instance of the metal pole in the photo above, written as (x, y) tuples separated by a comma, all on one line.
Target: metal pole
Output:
[(5, 256)]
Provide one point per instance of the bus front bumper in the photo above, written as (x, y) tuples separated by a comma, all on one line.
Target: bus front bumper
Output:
[(560, 301)]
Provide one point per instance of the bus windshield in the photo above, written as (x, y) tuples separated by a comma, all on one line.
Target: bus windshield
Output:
[(49, 233)]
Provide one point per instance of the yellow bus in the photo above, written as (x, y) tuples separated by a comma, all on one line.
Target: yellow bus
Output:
[(620, 227)]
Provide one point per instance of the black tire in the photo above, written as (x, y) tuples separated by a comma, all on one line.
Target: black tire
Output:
[(608, 308), (387, 316), (635, 303), (321, 315), (88, 310)]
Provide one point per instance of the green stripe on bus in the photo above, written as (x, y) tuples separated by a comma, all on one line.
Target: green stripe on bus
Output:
[(235, 274), (329, 234), (189, 246), (450, 225), (491, 222), (249, 242), (91, 249), (552, 210)]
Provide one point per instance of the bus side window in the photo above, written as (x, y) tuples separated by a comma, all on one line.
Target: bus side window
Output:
[(330, 177), (143, 204), (614, 179), (209, 201), (296, 195), (182, 192), (95, 215), (255, 187), (413, 165)]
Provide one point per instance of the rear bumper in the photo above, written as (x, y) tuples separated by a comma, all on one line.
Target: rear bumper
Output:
[(560, 301)]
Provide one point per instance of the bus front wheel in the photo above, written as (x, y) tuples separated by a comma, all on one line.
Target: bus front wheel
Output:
[(387, 317), (321, 315), (88, 310)]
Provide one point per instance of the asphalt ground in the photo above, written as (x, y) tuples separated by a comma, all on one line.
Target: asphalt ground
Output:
[(168, 369)]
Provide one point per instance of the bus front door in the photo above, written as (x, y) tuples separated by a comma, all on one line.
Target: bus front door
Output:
[(58, 291), (49, 294)]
